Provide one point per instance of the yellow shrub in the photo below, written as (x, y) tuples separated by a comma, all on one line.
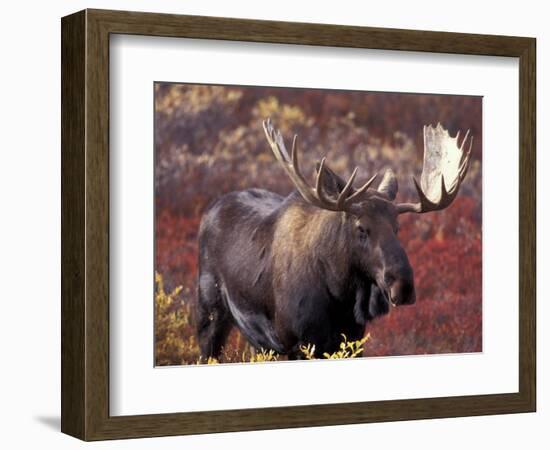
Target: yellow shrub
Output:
[(348, 349), (172, 318), (264, 356), (308, 351)]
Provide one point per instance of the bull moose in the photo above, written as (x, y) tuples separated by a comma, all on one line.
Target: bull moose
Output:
[(321, 262)]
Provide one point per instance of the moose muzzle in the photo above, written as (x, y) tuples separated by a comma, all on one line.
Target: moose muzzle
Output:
[(402, 292)]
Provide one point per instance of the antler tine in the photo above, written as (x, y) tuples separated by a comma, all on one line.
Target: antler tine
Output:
[(466, 163), (293, 151), (344, 193), (349, 201), (446, 196), (463, 170), (463, 140), (281, 144), (319, 186)]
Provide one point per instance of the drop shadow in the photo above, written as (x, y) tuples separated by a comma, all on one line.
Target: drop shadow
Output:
[(51, 422)]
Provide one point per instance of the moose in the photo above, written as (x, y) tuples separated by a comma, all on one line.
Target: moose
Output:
[(319, 263)]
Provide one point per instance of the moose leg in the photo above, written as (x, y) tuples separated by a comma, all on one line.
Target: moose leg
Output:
[(295, 354), (213, 319)]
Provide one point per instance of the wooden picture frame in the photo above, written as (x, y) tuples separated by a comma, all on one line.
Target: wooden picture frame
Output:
[(85, 224)]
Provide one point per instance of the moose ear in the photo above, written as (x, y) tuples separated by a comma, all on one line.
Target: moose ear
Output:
[(332, 183), (388, 185)]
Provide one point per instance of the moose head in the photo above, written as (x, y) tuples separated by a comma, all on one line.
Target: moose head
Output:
[(371, 215)]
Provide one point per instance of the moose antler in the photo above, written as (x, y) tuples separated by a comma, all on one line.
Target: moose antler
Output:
[(445, 167), (316, 196)]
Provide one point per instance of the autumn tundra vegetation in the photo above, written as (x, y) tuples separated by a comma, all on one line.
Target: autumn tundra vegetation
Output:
[(209, 141)]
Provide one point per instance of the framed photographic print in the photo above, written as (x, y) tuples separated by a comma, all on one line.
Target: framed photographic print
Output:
[(270, 225)]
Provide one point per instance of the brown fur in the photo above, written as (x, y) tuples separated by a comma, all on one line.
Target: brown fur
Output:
[(305, 235)]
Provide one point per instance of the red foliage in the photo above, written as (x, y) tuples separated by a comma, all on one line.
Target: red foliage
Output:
[(176, 249)]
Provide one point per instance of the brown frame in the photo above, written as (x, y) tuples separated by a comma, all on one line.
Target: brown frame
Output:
[(85, 224)]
